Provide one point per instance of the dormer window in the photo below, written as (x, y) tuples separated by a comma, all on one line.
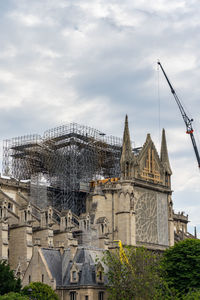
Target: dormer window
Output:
[(99, 273), (10, 206), (100, 276), (74, 275)]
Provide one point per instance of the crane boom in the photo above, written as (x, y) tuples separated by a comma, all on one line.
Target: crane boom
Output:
[(188, 121)]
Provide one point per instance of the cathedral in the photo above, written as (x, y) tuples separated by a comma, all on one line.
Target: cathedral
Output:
[(60, 246)]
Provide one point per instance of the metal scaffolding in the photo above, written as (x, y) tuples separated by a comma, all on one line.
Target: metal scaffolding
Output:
[(65, 159)]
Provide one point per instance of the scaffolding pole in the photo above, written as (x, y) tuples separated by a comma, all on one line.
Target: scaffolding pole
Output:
[(69, 157)]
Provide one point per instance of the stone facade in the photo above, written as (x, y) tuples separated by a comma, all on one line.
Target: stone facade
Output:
[(138, 206), (60, 248)]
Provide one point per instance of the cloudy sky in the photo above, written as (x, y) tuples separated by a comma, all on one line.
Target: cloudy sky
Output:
[(93, 61)]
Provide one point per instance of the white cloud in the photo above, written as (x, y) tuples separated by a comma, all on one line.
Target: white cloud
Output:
[(6, 76), (9, 52), (26, 19)]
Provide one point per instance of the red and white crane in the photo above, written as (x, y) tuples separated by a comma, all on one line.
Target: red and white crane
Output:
[(186, 119)]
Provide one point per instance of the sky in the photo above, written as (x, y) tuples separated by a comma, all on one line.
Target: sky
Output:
[(93, 61)]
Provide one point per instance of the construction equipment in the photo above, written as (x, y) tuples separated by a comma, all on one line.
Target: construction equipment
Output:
[(61, 163), (186, 119), (122, 254)]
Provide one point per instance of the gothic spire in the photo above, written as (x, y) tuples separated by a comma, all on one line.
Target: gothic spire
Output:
[(164, 154), (126, 146), (127, 155)]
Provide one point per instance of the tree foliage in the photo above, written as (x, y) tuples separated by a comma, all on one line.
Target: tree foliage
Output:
[(14, 296), (181, 266), (192, 295), (138, 278), (8, 282), (40, 291)]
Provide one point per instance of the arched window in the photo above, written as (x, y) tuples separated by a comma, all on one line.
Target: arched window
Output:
[(101, 296), (88, 224), (72, 295), (74, 276), (46, 218), (127, 169), (84, 222), (100, 275), (102, 228)]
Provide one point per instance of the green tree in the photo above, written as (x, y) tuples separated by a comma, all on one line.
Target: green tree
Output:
[(8, 282), (193, 295), (14, 296), (137, 277), (40, 291), (181, 265)]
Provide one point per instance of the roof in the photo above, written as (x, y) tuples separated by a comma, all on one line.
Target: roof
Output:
[(54, 261), (85, 259)]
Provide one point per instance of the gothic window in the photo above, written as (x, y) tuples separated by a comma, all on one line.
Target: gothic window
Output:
[(46, 218), (127, 169), (150, 171), (101, 296), (72, 295), (152, 218), (146, 218), (84, 222), (167, 179), (42, 277), (88, 225), (102, 228), (132, 201)]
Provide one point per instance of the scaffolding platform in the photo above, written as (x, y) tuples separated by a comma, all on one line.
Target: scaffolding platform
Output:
[(65, 159)]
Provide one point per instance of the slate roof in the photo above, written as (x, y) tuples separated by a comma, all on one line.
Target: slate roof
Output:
[(54, 262), (85, 259)]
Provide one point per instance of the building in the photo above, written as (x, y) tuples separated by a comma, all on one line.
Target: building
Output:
[(47, 238)]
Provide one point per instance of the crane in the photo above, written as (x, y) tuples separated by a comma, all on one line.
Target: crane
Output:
[(186, 119), (122, 254)]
